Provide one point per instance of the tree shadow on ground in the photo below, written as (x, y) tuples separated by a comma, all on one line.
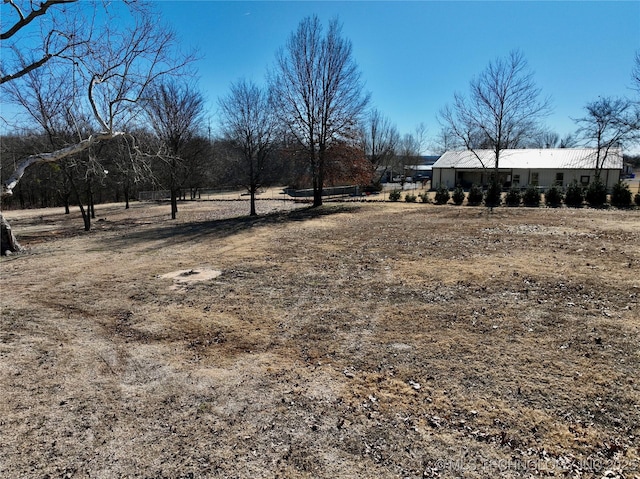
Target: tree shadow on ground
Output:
[(177, 234)]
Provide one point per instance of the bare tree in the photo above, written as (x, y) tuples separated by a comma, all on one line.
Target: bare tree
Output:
[(248, 124), (380, 140), (551, 139), (175, 112), (501, 111), (111, 66), (609, 123), (62, 39), (317, 90), (635, 74), (445, 140)]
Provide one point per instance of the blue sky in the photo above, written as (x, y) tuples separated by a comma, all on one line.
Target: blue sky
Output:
[(414, 55)]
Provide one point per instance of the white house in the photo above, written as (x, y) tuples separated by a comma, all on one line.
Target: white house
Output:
[(521, 168)]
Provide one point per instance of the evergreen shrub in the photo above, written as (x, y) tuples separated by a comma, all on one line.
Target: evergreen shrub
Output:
[(596, 194), (574, 196), (621, 195), (458, 195), (493, 195), (475, 195), (513, 197), (553, 197), (442, 195), (531, 197)]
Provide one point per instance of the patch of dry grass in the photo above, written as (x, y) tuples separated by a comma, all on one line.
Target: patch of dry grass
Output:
[(368, 340)]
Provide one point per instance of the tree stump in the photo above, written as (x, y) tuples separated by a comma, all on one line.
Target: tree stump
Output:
[(8, 241)]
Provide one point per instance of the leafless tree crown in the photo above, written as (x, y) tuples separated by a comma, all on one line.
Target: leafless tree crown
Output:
[(317, 91), (502, 109)]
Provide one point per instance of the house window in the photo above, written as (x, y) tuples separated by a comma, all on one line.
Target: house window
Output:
[(535, 178), (584, 179), (516, 180), (559, 179)]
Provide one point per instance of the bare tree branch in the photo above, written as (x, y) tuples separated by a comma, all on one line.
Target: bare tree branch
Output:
[(23, 20), (10, 183)]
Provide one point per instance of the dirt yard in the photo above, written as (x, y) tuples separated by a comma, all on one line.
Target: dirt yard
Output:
[(371, 340)]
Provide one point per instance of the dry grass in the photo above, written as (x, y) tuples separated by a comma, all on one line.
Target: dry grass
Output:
[(355, 340)]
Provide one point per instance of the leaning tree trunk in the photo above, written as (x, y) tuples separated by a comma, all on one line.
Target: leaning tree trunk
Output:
[(8, 241)]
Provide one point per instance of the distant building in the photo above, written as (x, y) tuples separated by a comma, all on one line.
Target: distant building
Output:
[(422, 169), (521, 168)]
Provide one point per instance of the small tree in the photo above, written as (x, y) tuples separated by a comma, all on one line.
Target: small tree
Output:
[(493, 195), (636, 199), (394, 195), (553, 197), (458, 195), (248, 125), (531, 197), (175, 112), (442, 195), (513, 197), (474, 198), (596, 194), (621, 195), (379, 139), (574, 196)]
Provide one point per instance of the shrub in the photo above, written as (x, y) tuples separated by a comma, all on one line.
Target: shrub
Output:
[(574, 196), (637, 199), (410, 198), (474, 198), (458, 195), (621, 195), (424, 197), (442, 195), (394, 195), (531, 196), (596, 194), (513, 197), (493, 195), (553, 197)]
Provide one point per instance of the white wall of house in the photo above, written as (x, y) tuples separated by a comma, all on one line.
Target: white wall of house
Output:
[(543, 178)]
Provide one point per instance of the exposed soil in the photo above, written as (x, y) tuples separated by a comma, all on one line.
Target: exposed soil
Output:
[(371, 340)]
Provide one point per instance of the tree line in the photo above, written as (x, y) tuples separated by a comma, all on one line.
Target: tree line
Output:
[(112, 107)]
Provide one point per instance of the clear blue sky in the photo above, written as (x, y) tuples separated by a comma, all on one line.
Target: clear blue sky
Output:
[(415, 55)]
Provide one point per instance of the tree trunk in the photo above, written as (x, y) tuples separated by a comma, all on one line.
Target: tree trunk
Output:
[(86, 216), (8, 241), (66, 203), (174, 203), (317, 196), (252, 193), (126, 198), (91, 210), (318, 179)]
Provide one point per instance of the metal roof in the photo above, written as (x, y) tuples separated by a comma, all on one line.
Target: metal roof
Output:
[(546, 158)]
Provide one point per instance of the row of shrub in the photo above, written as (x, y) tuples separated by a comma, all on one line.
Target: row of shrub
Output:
[(573, 196)]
